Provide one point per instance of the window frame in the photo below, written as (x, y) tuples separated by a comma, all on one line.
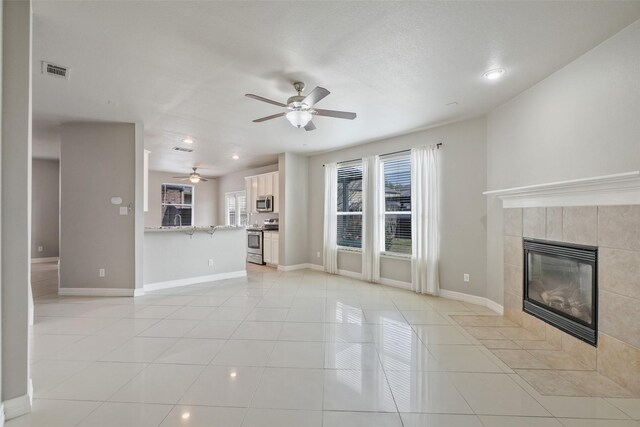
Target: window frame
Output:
[(191, 205), (382, 215), (360, 164), (238, 212)]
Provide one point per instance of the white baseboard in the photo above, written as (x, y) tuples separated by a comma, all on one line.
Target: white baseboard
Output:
[(473, 299), (352, 274), (96, 292), (48, 259), (193, 280), (18, 406), (316, 267), (138, 292), (294, 267), (395, 283)]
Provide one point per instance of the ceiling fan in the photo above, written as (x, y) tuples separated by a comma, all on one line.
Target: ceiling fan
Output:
[(193, 177), (300, 109)]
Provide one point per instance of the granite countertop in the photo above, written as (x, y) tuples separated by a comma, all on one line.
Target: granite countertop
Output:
[(190, 229)]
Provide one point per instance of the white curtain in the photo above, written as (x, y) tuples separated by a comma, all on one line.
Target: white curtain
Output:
[(331, 218), (425, 237), (372, 186)]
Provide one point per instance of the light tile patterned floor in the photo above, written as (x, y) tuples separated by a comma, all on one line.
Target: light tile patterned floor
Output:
[(301, 349)]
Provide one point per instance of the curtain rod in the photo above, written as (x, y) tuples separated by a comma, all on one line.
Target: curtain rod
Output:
[(386, 154)]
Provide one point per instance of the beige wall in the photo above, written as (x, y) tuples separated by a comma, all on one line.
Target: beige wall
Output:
[(99, 161), (45, 209), (16, 204), (205, 199), (463, 174), (294, 203), (581, 121)]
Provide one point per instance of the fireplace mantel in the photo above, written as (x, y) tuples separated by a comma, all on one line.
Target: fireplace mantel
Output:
[(616, 189)]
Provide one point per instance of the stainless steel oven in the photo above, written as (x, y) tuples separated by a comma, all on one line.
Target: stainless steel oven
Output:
[(254, 246)]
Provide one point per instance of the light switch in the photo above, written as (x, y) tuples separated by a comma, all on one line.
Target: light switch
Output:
[(124, 210)]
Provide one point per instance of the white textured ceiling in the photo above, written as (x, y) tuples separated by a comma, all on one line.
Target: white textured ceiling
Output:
[(182, 68)]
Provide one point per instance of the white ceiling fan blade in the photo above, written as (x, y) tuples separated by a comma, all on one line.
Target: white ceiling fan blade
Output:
[(315, 96), (268, 101), (337, 114), (264, 119)]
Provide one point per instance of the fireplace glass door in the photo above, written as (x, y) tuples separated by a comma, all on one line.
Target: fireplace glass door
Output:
[(560, 286)]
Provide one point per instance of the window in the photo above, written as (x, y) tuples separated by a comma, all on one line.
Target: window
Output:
[(397, 204), (177, 205), (236, 208), (350, 205)]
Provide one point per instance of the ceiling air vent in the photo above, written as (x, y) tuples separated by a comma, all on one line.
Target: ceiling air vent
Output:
[(55, 70), (184, 150)]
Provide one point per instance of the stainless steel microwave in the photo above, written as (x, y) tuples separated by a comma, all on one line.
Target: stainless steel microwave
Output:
[(264, 204)]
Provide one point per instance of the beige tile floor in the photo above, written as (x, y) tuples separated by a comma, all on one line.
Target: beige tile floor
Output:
[(294, 349)]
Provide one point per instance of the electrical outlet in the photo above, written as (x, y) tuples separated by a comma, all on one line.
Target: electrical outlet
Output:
[(466, 277), (40, 248), (318, 254), (101, 272), (210, 262)]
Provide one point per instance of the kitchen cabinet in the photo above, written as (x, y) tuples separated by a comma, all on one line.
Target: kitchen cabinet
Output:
[(271, 244), (266, 184)]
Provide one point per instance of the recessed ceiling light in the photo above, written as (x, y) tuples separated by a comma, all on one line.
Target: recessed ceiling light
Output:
[(494, 74), (188, 141), (186, 416), (235, 157), (233, 374)]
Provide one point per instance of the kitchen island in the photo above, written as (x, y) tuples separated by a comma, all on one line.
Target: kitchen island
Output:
[(179, 256)]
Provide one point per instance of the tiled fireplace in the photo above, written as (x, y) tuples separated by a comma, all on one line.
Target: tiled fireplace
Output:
[(613, 311)]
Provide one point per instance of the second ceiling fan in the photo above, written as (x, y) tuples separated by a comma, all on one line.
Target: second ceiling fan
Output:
[(300, 109)]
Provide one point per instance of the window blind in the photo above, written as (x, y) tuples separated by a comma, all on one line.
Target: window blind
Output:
[(349, 205), (397, 204)]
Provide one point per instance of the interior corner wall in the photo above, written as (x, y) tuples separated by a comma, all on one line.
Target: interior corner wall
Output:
[(98, 162), (582, 121), (45, 209), (294, 199), (463, 174)]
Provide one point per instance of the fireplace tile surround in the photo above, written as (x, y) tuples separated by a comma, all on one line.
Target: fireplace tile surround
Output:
[(616, 231)]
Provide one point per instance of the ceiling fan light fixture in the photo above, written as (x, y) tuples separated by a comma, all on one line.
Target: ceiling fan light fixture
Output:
[(194, 178), (494, 74), (299, 118)]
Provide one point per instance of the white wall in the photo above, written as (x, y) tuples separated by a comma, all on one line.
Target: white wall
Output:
[(45, 209), (99, 161), (235, 182), (206, 199), (463, 175), (582, 121)]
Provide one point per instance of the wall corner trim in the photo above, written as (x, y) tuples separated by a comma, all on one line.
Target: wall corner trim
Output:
[(193, 280), (17, 406), (473, 299)]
